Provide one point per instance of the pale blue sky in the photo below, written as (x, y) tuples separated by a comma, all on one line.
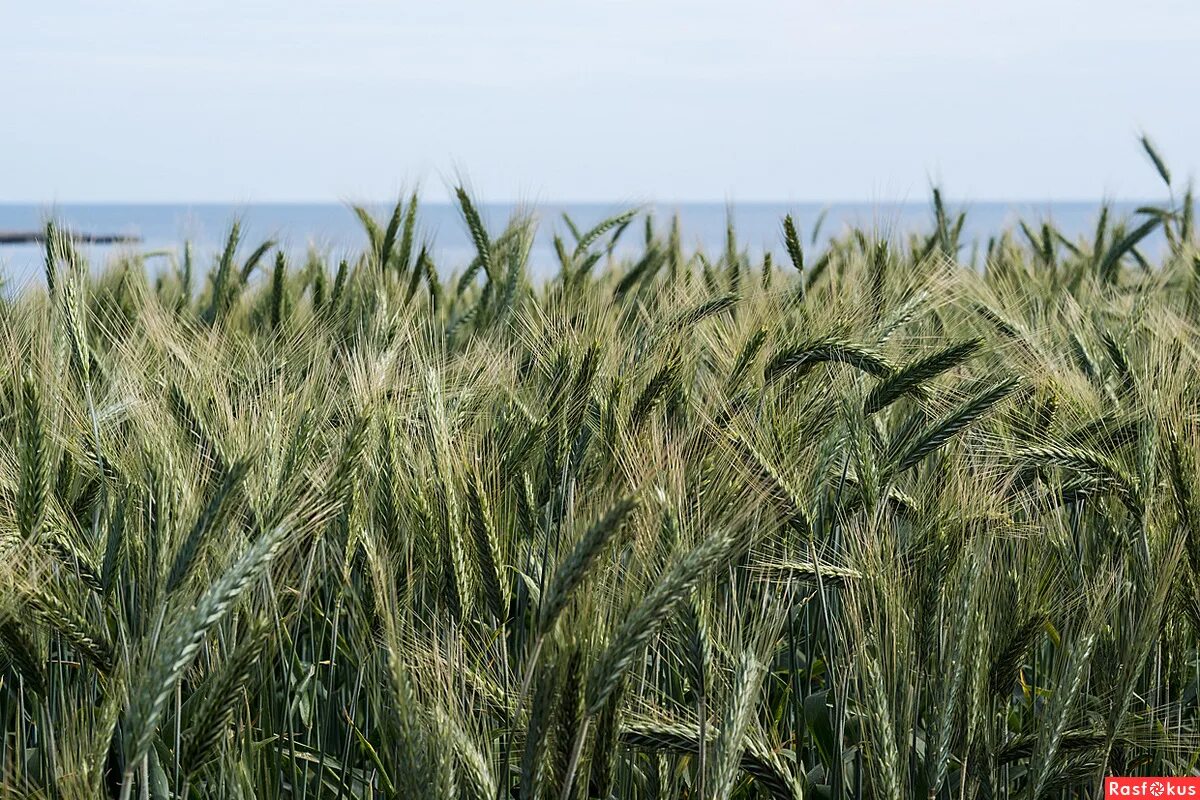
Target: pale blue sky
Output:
[(562, 100)]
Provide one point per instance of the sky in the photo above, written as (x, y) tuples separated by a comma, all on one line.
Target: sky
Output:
[(558, 100)]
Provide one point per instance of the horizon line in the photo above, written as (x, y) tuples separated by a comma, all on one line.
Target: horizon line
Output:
[(607, 203)]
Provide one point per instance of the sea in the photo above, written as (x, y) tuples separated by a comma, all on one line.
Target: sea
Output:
[(335, 231)]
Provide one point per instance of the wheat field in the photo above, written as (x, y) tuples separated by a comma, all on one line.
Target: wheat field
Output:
[(885, 518)]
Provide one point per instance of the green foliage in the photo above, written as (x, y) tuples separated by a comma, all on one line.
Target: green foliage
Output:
[(884, 525)]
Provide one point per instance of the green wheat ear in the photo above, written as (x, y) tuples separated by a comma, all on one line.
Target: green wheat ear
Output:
[(183, 640), (74, 629), (731, 738), (222, 693), (222, 278), (21, 654), (933, 437), (791, 240), (652, 394), (487, 551), (33, 483), (479, 234), (404, 257), (1156, 159), (912, 377), (278, 291), (652, 613), (578, 563), (585, 240)]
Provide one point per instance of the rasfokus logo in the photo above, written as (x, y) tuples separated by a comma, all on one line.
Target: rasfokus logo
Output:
[(1153, 788)]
